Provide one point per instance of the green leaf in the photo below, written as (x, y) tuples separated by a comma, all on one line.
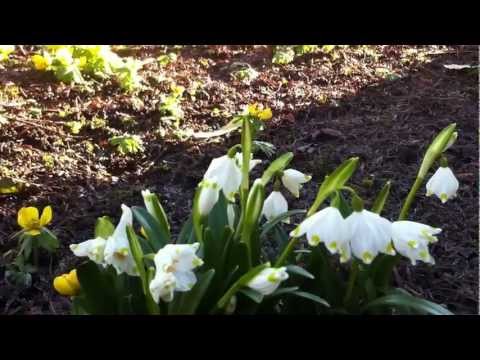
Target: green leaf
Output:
[(269, 225), (342, 205), (188, 302), (26, 247), (285, 290), (299, 271), (276, 166), (186, 235), (252, 294), (104, 227), (98, 289), (137, 255), (334, 182), (156, 236), (312, 297), (242, 281), (253, 211), (381, 198), (246, 156), (435, 149), (48, 240), (154, 208), (400, 299)]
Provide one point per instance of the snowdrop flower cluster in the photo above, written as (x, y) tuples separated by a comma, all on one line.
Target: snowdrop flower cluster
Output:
[(366, 234), (174, 270), (113, 251)]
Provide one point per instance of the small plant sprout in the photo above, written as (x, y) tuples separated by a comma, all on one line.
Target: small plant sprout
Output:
[(127, 144)]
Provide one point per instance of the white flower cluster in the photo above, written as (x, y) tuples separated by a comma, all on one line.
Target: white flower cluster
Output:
[(174, 263)]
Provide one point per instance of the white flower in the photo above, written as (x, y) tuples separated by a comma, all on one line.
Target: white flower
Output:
[(411, 239), (231, 215), (370, 234), (226, 174), (93, 249), (117, 249), (274, 205), (253, 162), (293, 179), (327, 226), (174, 264), (268, 280), (209, 193), (443, 184), (162, 286)]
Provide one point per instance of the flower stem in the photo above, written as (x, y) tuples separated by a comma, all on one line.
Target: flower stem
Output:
[(351, 281), (410, 197), (286, 252)]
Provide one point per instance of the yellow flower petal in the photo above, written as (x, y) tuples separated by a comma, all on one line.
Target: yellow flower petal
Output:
[(62, 286), (265, 114), (73, 280), (39, 62), (67, 284), (33, 232), (47, 215), (253, 109), (27, 216)]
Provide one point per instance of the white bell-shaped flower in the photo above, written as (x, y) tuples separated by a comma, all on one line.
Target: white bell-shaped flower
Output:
[(178, 260), (93, 249), (209, 193), (268, 280), (370, 234), (411, 239), (275, 204), (327, 226), (117, 249), (443, 184), (293, 179), (226, 173)]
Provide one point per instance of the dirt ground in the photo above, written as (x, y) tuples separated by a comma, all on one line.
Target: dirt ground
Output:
[(381, 103)]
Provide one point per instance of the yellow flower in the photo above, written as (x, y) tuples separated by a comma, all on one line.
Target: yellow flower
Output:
[(67, 284), (5, 50), (40, 62), (265, 114), (259, 112), (29, 220)]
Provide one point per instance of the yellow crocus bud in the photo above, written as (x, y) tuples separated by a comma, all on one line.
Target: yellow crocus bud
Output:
[(67, 284)]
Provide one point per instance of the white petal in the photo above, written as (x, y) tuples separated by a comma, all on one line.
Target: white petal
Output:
[(162, 286), (293, 179), (117, 249), (208, 197), (274, 205), (231, 215), (93, 249), (226, 174), (185, 280), (268, 280), (443, 184), (306, 224), (329, 228)]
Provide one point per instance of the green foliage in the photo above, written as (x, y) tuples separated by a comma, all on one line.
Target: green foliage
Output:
[(127, 144), (71, 63)]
